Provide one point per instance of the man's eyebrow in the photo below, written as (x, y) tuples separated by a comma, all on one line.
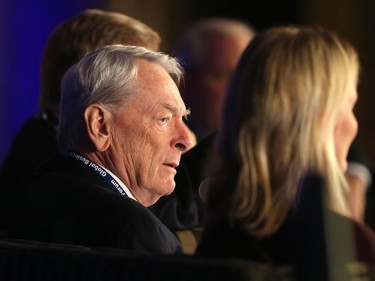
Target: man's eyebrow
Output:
[(170, 107), (175, 109)]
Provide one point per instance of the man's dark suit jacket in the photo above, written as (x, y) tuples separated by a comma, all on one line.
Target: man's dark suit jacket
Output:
[(66, 201)]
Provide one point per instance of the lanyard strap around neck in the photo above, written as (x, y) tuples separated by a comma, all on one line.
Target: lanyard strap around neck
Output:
[(99, 170)]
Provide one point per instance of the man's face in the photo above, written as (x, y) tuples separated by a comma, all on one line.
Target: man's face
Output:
[(210, 82), (149, 135)]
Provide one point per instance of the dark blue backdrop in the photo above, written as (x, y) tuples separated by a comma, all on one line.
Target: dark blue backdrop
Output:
[(24, 28)]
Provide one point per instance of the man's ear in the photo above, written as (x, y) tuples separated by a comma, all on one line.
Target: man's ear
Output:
[(98, 122)]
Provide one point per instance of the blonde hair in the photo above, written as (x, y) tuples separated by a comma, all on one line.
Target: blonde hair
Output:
[(277, 126)]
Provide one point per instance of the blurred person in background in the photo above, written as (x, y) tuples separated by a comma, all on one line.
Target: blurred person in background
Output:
[(277, 191), (209, 50), (68, 42)]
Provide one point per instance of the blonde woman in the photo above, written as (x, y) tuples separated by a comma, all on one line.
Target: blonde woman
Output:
[(287, 125)]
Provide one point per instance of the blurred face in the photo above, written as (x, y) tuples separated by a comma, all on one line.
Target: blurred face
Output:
[(346, 128), (208, 85), (149, 135)]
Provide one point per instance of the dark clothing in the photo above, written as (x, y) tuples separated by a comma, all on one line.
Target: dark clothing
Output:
[(68, 202), (32, 145), (35, 142), (300, 241)]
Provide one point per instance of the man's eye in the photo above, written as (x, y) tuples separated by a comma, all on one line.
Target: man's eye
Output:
[(164, 119)]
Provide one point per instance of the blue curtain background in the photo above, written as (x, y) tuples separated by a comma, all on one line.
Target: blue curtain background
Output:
[(24, 28)]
